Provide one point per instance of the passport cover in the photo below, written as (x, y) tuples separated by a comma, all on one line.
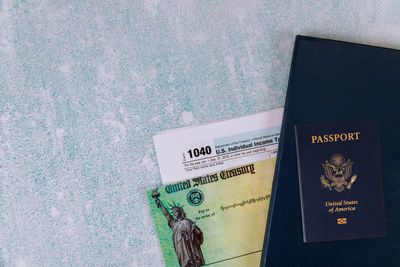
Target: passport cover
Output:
[(340, 181), (333, 81)]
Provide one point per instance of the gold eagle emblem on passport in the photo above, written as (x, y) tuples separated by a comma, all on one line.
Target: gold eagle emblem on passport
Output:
[(338, 172)]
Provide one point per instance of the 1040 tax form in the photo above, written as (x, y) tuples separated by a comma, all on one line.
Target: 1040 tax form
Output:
[(198, 150)]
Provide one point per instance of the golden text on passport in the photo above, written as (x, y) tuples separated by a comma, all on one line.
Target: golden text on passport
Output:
[(341, 206), (335, 137)]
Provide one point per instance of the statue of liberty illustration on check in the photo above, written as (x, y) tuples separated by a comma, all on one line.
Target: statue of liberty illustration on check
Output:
[(186, 235)]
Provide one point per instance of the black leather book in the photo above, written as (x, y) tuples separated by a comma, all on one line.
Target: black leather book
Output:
[(334, 81), (340, 181)]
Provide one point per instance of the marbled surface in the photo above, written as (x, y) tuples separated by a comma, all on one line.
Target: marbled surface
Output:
[(85, 84)]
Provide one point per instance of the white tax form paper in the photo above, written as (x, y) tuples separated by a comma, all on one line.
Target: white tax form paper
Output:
[(193, 151)]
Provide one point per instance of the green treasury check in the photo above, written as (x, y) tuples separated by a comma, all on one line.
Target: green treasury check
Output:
[(217, 219)]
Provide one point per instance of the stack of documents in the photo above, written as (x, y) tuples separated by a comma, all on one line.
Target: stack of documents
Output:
[(217, 180), (343, 100)]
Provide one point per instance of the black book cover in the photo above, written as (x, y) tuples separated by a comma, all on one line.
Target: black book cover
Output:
[(340, 181), (334, 81)]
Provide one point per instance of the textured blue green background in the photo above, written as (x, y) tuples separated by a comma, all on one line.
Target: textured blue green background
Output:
[(85, 84)]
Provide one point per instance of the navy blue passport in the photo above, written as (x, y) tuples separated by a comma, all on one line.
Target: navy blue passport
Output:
[(333, 81), (340, 181)]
